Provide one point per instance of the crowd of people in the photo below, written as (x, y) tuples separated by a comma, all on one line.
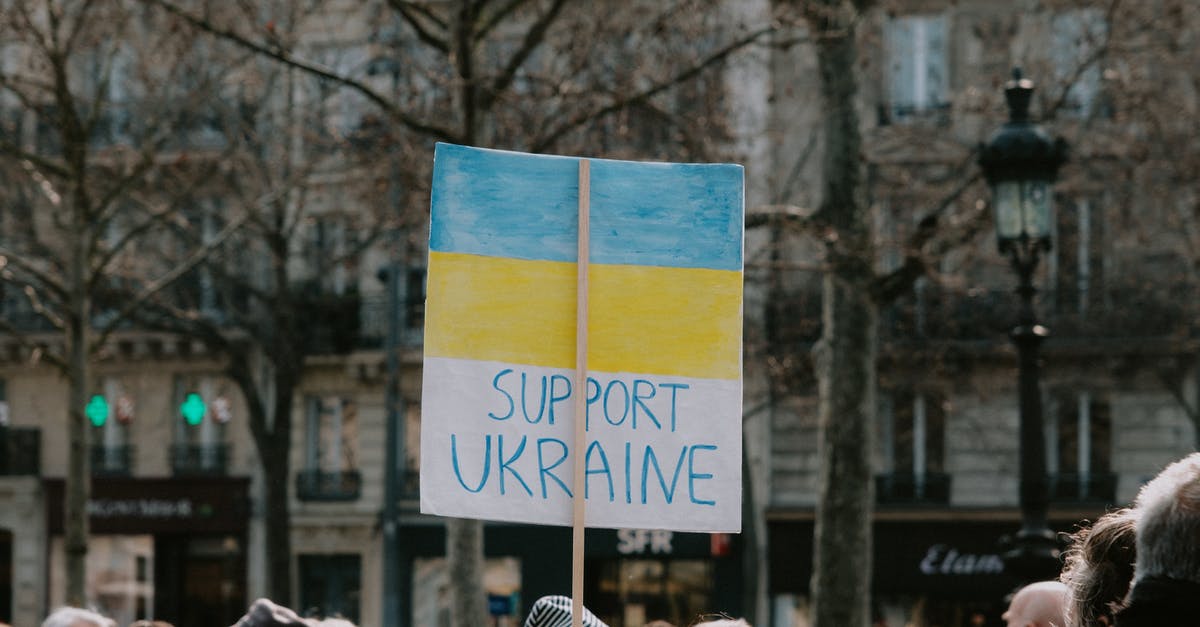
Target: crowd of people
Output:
[(552, 611), (1133, 567)]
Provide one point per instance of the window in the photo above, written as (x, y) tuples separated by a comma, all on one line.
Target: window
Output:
[(330, 451), (333, 241), (330, 586), (1077, 38), (913, 432), (202, 408), (1078, 263), (1080, 447), (111, 451), (918, 77), (414, 299)]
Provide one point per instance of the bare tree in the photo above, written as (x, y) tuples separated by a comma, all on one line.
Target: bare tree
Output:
[(91, 140), (536, 75)]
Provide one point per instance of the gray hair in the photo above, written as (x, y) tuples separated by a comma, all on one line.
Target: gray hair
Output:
[(1168, 523), (72, 616)]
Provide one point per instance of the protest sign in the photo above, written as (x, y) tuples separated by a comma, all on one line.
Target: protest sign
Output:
[(663, 386)]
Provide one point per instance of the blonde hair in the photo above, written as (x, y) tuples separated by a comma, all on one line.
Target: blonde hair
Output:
[(1099, 567)]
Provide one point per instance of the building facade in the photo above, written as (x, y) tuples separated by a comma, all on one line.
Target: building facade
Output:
[(177, 513), (1120, 369)]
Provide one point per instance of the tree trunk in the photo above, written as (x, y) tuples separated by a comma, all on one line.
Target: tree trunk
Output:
[(277, 518), (272, 440), (78, 484), (845, 356), (464, 557)]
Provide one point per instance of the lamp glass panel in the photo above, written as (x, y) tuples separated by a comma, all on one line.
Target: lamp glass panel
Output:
[(1007, 197), (1035, 209)]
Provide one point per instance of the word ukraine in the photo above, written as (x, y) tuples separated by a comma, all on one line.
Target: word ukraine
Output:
[(663, 392), (620, 404)]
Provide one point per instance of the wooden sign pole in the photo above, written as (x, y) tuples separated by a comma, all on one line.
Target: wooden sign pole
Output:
[(581, 351)]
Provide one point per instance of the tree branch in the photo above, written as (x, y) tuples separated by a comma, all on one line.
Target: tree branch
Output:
[(497, 17), (33, 161), (8, 256), (533, 38), (890, 286), (153, 287), (543, 143), (762, 215), (287, 58), (409, 10)]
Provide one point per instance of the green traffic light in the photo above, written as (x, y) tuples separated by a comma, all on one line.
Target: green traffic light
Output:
[(193, 409), (97, 410)]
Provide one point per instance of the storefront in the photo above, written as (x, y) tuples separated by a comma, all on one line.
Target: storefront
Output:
[(630, 576), (935, 573), (166, 549)]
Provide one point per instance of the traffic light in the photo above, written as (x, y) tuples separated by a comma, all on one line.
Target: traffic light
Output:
[(97, 410), (193, 409)]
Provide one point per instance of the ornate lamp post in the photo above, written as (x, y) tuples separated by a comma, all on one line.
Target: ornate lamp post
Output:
[(1020, 162)]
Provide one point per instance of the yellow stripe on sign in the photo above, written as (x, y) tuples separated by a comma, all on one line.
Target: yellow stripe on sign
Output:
[(644, 319)]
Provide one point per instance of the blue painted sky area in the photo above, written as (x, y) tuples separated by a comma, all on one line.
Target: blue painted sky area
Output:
[(511, 204)]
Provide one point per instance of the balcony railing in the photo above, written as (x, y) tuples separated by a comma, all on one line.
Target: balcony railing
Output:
[(320, 485), (1135, 312), (112, 461), (199, 459), (1098, 487), (20, 451), (907, 488)]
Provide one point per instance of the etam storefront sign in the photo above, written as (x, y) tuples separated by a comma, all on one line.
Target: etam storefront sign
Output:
[(943, 559), (960, 559)]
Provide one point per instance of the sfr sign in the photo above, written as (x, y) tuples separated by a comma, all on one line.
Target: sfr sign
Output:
[(642, 541)]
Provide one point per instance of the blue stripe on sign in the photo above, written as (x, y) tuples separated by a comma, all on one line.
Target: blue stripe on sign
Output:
[(509, 204)]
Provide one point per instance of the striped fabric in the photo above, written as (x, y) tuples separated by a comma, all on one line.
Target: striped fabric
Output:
[(555, 611)]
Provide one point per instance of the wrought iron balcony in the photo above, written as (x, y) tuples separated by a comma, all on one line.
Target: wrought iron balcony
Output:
[(112, 461), (320, 485), (1097, 487), (199, 459), (20, 451), (907, 488), (1130, 312)]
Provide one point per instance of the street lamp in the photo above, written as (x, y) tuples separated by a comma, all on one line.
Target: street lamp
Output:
[(1020, 162)]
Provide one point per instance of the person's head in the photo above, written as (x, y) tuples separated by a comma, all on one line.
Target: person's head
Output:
[(723, 622), (1041, 604), (76, 617), (1168, 523), (1099, 568)]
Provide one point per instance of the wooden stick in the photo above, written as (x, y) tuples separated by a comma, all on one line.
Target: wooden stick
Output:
[(581, 352)]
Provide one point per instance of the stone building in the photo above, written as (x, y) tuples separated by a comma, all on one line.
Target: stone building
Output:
[(177, 513), (1120, 371)]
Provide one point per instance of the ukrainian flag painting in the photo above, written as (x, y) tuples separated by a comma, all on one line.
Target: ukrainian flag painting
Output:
[(663, 393)]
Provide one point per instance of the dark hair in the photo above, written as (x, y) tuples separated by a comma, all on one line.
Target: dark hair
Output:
[(1099, 568)]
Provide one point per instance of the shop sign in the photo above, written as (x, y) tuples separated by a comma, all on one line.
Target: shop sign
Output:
[(156, 505), (642, 541), (942, 559), (662, 396), (140, 508)]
